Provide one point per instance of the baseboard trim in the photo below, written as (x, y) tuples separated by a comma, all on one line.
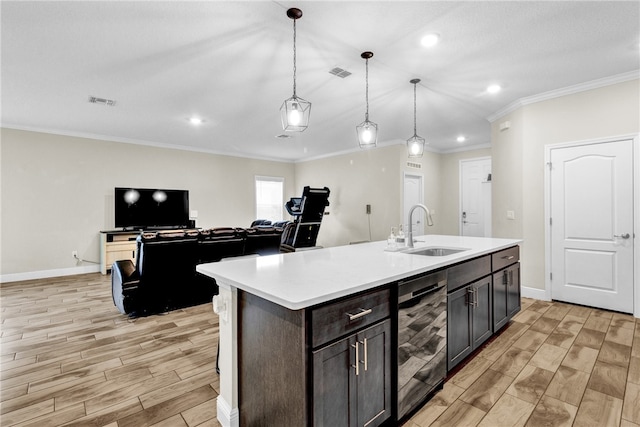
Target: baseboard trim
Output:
[(227, 416), (534, 293), (45, 274)]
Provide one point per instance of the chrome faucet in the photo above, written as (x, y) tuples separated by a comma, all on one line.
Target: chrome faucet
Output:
[(409, 223)]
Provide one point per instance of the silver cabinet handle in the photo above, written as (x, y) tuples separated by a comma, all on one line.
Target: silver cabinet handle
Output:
[(473, 296), (624, 236), (365, 362), (357, 365), (362, 313), (507, 257)]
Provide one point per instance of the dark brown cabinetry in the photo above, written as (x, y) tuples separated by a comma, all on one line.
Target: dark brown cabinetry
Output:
[(328, 365), (470, 319), (506, 285), (484, 294), (352, 379), (506, 289)]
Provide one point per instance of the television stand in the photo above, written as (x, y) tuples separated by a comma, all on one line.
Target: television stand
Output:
[(116, 245)]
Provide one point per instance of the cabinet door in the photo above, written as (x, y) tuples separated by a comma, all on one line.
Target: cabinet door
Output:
[(513, 290), (459, 343), (334, 384), (374, 375), (482, 318), (500, 314)]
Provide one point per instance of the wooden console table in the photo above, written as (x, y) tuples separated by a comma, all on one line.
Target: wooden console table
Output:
[(116, 245)]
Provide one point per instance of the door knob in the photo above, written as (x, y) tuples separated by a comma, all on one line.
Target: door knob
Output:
[(623, 236)]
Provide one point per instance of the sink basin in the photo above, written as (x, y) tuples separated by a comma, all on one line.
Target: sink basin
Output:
[(435, 251)]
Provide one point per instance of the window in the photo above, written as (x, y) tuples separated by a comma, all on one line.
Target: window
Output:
[(269, 197)]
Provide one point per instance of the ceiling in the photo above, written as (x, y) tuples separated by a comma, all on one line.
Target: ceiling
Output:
[(231, 64)]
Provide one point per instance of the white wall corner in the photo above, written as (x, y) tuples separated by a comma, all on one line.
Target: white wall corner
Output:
[(534, 293)]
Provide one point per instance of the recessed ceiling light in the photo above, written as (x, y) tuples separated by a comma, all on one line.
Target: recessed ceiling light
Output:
[(494, 88), (195, 120), (461, 138), (430, 40)]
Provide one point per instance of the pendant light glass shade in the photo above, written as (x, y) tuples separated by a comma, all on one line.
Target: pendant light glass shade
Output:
[(367, 131), (295, 112), (415, 144), (367, 134)]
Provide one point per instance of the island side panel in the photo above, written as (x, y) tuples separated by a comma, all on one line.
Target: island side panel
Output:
[(273, 363)]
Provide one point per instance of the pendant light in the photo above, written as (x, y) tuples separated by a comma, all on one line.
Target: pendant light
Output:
[(295, 111), (367, 131), (415, 144)]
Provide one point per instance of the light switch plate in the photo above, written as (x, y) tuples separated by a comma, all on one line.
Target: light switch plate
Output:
[(511, 215)]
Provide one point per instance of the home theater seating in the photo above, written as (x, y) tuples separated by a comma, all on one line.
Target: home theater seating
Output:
[(164, 276)]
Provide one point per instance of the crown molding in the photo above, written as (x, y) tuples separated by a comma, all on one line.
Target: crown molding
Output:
[(581, 87), (466, 148), (106, 138)]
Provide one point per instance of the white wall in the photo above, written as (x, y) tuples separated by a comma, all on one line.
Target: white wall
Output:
[(57, 193), (364, 177), (518, 158)]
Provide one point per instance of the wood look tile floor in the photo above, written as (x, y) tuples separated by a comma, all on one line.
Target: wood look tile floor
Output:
[(555, 364), (68, 357)]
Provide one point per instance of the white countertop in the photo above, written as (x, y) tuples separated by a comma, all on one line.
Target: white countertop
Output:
[(302, 279)]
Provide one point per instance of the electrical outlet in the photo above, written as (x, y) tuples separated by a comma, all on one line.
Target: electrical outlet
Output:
[(74, 254), (368, 209)]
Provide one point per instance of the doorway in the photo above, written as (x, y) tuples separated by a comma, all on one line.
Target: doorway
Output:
[(590, 223), (475, 197), (413, 193)]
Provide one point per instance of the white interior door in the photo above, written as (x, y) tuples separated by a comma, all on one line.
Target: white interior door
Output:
[(591, 224), (475, 197), (412, 195)]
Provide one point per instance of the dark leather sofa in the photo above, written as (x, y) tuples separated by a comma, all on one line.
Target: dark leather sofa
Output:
[(164, 275)]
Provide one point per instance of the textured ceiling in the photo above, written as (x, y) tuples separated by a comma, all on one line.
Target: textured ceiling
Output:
[(230, 63)]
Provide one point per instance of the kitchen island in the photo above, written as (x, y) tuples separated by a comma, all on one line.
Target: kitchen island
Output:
[(267, 306)]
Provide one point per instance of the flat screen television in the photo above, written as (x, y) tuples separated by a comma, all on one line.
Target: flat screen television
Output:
[(147, 208)]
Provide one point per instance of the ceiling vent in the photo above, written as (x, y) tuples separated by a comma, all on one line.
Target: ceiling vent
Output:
[(340, 72), (283, 136), (414, 165), (102, 101)]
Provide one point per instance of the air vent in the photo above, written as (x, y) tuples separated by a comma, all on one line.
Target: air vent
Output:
[(340, 72), (283, 136), (414, 165), (102, 101)]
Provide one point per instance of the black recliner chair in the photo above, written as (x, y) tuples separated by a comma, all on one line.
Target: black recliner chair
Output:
[(164, 276)]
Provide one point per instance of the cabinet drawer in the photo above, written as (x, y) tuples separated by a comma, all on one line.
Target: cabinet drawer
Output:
[(334, 320), (504, 258), (467, 272)]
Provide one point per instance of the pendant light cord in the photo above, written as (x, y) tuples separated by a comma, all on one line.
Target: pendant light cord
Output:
[(366, 79), (415, 132), (294, 58)]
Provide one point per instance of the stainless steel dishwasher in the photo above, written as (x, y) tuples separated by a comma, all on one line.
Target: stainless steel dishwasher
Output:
[(422, 338)]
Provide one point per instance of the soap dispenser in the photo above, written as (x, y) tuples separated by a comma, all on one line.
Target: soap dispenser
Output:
[(400, 239), (391, 240)]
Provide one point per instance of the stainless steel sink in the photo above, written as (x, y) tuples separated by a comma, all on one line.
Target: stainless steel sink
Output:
[(436, 251)]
